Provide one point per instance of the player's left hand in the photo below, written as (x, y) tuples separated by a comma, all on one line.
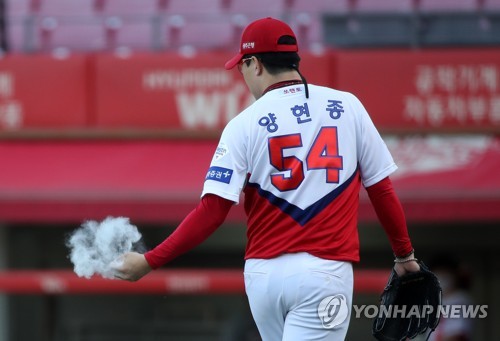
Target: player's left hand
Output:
[(130, 266), (416, 289), (404, 268)]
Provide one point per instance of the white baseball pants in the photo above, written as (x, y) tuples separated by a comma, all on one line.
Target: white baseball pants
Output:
[(299, 297)]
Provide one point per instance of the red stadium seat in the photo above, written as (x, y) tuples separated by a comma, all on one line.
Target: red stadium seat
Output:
[(305, 18), (214, 32), (256, 9), (317, 6), (388, 6), (85, 35), (126, 7), (197, 8), (491, 5), (135, 35), (16, 36), (18, 8), (448, 5), (68, 8), (307, 27)]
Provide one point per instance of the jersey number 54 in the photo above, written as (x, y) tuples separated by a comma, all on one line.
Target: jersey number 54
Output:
[(323, 154)]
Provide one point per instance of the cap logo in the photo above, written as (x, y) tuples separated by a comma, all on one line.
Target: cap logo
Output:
[(250, 45)]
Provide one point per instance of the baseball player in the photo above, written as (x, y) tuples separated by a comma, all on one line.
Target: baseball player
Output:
[(300, 154)]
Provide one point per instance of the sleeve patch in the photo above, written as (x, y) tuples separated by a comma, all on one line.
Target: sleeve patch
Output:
[(219, 174), (220, 152)]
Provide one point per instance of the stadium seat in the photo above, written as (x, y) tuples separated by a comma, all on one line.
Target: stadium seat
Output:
[(305, 17), (256, 9), (317, 6), (215, 32), (40, 24), (386, 6), (137, 35), (17, 14), (196, 8), (126, 7), (66, 8), (52, 34), (307, 28), (17, 8), (16, 36), (491, 5), (448, 5)]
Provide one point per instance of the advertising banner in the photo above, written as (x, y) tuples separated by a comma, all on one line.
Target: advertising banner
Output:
[(438, 90), (168, 91), (40, 91), (403, 90)]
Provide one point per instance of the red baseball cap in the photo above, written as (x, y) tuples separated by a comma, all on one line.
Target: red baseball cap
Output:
[(262, 35)]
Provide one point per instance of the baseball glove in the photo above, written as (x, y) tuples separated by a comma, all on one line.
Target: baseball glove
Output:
[(409, 305)]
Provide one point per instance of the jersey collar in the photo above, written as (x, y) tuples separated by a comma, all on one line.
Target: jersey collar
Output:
[(281, 84)]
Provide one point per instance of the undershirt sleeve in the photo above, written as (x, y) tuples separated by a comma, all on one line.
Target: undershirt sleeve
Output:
[(391, 215), (193, 230)]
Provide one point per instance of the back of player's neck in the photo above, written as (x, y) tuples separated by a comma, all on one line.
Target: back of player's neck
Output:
[(282, 84)]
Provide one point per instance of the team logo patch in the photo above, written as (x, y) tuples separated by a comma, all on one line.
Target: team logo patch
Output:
[(220, 152), (219, 174), (249, 45)]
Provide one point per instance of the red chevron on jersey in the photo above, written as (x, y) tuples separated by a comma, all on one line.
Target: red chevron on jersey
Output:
[(315, 230)]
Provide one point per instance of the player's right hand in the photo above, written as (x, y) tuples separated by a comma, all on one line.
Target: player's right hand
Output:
[(130, 266)]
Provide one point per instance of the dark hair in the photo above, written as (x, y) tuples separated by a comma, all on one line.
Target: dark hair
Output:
[(277, 62)]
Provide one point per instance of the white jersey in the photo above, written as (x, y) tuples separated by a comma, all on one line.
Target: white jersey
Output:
[(300, 162)]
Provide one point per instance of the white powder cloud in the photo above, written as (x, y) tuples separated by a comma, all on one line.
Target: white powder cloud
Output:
[(95, 245)]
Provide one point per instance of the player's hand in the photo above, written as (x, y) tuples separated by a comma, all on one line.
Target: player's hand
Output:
[(130, 266), (403, 268)]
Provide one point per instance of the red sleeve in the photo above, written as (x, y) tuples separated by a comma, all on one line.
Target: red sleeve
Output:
[(391, 215), (194, 229)]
